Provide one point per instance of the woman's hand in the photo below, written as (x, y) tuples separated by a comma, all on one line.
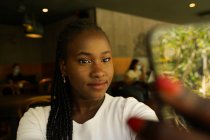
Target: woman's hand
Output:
[(193, 107), (160, 131)]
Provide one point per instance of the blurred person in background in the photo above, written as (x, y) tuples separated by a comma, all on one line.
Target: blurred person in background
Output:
[(135, 72), (134, 82), (16, 74), (15, 80)]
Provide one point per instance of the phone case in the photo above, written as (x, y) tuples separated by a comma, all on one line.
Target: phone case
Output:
[(182, 52)]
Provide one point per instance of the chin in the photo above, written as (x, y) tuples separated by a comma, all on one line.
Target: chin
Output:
[(97, 95)]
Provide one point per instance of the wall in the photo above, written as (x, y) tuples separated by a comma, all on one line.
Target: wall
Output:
[(126, 34), (16, 48)]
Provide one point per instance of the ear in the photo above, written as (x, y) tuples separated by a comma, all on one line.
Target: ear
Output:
[(63, 68)]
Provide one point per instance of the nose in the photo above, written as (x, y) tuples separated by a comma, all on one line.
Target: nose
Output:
[(97, 70)]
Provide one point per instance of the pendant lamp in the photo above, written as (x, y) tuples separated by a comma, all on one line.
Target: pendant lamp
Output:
[(33, 29)]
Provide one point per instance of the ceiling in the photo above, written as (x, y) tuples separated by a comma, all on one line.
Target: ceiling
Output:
[(175, 11)]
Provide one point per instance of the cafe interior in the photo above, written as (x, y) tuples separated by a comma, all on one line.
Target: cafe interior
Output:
[(28, 32)]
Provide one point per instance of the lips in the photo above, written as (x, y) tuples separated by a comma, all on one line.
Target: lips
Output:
[(98, 85)]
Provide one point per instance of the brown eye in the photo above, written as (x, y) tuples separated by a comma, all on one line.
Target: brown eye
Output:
[(106, 59), (84, 61)]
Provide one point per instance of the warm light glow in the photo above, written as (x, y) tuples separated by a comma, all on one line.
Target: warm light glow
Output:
[(33, 35), (191, 5), (45, 10), (29, 27), (34, 31)]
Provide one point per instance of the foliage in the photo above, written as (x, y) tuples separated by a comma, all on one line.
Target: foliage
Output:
[(184, 52)]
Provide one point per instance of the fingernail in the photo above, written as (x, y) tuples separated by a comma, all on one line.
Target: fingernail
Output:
[(168, 87), (136, 124)]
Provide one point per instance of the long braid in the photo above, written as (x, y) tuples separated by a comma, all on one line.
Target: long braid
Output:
[(60, 124), (60, 120)]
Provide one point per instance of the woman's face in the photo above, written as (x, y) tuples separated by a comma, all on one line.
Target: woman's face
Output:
[(89, 65)]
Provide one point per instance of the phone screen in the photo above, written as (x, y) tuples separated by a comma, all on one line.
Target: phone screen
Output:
[(183, 53)]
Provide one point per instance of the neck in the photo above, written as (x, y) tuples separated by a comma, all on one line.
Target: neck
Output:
[(85, 105), (84, 110)]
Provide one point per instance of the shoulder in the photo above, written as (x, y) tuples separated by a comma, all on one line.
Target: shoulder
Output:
[(35, 115), (139, 109), (33, 123), (125, 102), (130, 107), (38, 112), (116, 102)]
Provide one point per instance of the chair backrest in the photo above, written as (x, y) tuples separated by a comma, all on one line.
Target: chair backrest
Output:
[(43, 100), (45, 85)]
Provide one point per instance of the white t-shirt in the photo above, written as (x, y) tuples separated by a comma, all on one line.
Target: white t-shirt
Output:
[(109, 123)]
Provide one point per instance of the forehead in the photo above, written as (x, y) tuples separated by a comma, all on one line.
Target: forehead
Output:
[(89, 41)]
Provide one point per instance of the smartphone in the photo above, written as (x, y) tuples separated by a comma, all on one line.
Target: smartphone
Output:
[(182, 52)]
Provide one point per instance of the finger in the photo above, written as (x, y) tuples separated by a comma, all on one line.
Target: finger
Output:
[(183, 100), (148, 130)]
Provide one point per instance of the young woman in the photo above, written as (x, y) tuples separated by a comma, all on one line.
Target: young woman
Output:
[(80, 107)]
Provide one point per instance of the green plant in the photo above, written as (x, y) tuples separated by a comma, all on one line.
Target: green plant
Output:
[(183, 52)]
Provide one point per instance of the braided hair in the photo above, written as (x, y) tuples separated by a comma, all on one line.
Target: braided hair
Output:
[(60, 122)]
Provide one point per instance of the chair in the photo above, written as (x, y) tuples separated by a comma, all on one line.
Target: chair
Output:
[(45, 85), (36, 101)]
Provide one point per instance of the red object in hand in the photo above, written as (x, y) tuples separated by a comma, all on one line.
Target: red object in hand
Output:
[(136, 124), (168, 87)]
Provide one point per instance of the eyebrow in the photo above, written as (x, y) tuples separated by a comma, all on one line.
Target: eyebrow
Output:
[(89, 54)]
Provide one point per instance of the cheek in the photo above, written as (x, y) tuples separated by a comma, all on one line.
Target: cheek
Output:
[(77, 73), (77, 79), (110, 70)]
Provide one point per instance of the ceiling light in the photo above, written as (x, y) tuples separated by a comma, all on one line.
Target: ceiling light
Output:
[(45, 10), (34, 35), (34, 30), (192, 5)]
